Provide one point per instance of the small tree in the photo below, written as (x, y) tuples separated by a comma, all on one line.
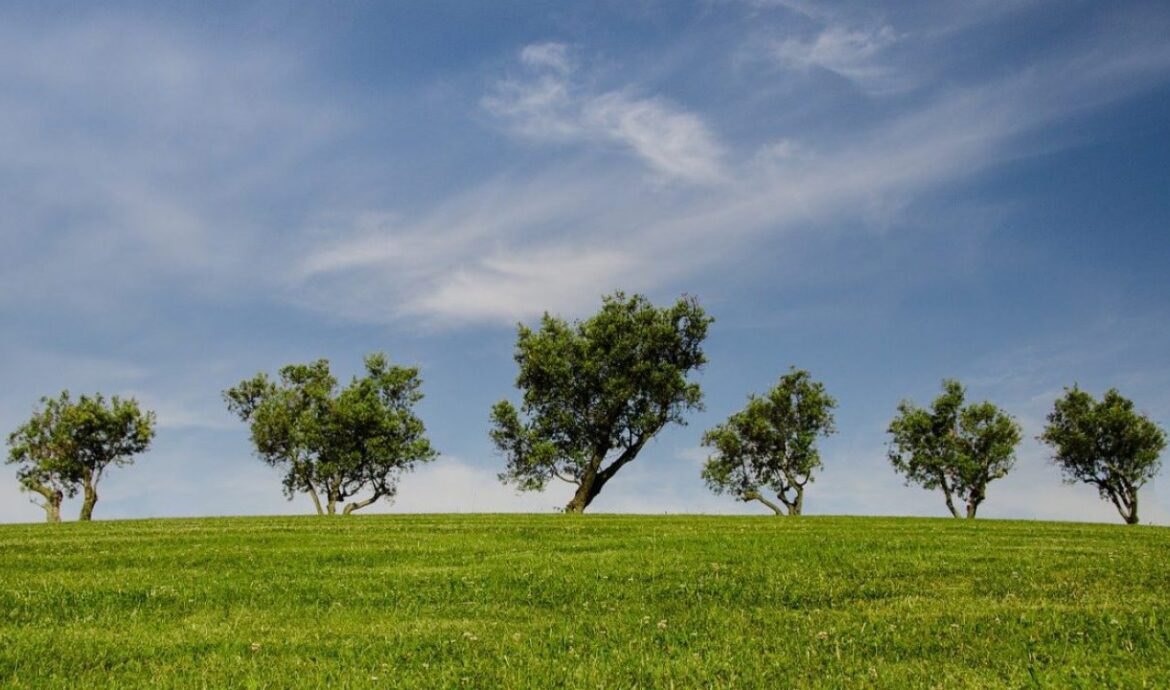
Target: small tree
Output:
[(1107, 444), (596, 391), (771, 443), (67, 446), (958, 449), (41, 449), (336, 442)]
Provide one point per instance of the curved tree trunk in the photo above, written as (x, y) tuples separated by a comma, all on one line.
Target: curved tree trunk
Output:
[(950, 499), (587, 490), (757, 496), (316, 499), (595, 478), (1131, 512), (796, 508), (52, 504), (1126, 505), (1132, 503), (358, 505), (52, 511), (87, 504)]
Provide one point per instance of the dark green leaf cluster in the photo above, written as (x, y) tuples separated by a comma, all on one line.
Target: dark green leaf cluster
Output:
[(772, 442), (598, 390), (957, 448), (1107, 444), (331, 441)]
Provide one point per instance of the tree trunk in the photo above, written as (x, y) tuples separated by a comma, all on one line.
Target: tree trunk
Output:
[(87, 504), (316, 500), (950, 500), (1126, 504), (332, 495), (53, 509), (972, 506), (594, 478), (796, 508), (358, 505), (756, 496), (53, 499), (1131, 516), (590, 486)]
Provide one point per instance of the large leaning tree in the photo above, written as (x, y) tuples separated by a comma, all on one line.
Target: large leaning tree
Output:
[(336, 443), (1107, 444), (772, 443), (596, 391), (956, 448), (68, 445)]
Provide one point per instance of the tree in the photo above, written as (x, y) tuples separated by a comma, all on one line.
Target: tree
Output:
[(958, 449), (596, 391), (772, 443), (40, 447), (67, 446), (1107, 444), (336, 442)]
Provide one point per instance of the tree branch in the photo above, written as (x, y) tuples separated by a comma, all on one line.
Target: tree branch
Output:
[(565, 479), (756, 496), (358, 505)]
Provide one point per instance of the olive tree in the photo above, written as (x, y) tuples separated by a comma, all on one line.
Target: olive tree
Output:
[(956, 448), (41, 451), (596, 391), (333, 442), (67, 446), (1106, 444), (772, 443)]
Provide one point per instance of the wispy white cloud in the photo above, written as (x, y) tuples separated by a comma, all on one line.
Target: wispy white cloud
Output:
[(851, 53), (551, 55), (547, 104), (505, 287)]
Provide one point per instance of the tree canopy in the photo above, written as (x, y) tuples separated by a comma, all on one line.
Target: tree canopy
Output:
[(336, 442), (596, 391), (772, 443), (1107, 444), (68, 445), (957, 448)]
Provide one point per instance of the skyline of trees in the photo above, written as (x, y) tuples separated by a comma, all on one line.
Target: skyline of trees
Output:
[(594, 392)]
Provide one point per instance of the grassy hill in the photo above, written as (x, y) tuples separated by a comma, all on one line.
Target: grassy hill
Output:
[(583, 602)]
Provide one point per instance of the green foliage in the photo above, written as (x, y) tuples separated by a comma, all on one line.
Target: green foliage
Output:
[(331, 441), (68, 445), (958, 449), (772, 443), (528, 601), (597, 390), (1107, 444)]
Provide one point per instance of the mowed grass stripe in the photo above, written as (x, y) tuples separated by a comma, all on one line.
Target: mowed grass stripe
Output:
[(583, 601)]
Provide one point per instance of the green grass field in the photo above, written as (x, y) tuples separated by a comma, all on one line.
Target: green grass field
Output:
[(584, 602)]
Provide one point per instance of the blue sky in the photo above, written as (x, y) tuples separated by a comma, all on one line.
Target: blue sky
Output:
[(885, 195)]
